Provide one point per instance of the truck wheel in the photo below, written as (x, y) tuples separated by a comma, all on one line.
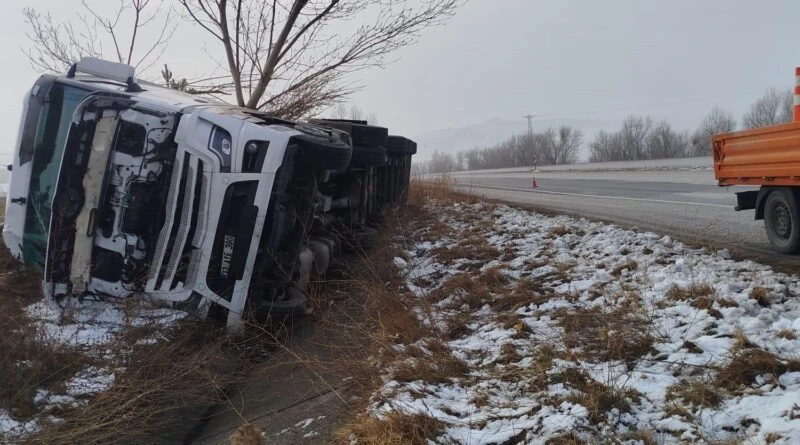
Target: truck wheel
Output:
[(398, 145), (361, 134), (364, 156), (324, 153), (781, 221)]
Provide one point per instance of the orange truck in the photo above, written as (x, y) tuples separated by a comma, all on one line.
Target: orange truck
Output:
[(768, 157)]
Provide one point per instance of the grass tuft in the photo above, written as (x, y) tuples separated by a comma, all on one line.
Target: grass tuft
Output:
[(695, 393), (761, 296), (747, 364), (615, 334), (597, 398), (392, 429), (630, 265), (693, 291), (439, 365)]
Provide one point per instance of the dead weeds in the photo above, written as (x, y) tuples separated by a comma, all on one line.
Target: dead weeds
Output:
[(154, 384), (391, 429), (761, 296), (630, 265), (693, 291), (438, 365), (695, 393), (749, 363), (30, 359), (607, 334), (474, 248), (597, 398)]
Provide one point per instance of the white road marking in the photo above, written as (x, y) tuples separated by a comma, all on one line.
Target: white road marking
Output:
[(621, 198)]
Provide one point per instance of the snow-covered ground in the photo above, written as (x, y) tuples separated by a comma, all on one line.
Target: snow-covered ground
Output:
[(576, 329), (90, 327)]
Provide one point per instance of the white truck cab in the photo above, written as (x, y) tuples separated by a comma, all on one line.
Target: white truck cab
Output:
[(121, 187)]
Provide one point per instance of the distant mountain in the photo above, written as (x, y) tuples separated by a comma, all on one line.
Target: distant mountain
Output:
[(491, 132)]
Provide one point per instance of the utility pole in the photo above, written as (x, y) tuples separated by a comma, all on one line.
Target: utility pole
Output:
[(530, 124), (530, 138)]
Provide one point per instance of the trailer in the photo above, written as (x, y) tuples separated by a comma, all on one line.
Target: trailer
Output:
[(768, 158)]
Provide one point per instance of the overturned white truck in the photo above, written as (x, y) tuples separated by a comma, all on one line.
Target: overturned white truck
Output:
[(124, 188)]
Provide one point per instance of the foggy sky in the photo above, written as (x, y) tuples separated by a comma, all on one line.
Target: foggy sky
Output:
[(505, 58)]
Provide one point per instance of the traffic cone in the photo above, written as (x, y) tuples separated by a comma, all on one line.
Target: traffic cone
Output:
[(533, 183)]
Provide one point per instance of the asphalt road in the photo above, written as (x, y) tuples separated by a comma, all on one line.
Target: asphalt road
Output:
[(687, 205)]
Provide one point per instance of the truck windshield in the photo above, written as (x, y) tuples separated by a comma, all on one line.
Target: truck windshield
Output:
[(52, 127)]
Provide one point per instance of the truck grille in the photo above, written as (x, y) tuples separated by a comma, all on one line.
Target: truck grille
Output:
[(183, 229)]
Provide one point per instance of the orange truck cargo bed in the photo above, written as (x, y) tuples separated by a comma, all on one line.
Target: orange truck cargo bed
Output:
[(761, 156)]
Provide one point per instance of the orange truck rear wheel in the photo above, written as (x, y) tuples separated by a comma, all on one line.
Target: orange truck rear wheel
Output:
[(781, 220)]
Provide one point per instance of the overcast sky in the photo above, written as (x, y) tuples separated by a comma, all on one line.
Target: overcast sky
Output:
[(554, 58)]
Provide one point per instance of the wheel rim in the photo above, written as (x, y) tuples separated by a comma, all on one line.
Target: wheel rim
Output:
[(783, 221)]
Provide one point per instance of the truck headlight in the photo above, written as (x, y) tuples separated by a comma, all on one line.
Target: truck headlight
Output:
[(221, 144)]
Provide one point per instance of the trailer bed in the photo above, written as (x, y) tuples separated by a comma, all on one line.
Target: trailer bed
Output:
[(761, 156)]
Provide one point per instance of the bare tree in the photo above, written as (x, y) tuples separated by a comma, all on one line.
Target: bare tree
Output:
[(717, 121), (284, 57), (663, 142), (138, 31), (442, 162), (565, 146), (354, 113), (633, 137), (606, 147), (787, 106), (774, 107)]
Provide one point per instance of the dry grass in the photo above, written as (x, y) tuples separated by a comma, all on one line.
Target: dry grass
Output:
[(615, 334), (154, 385), (748, 363), (565, 439), (474, 248), (472, 292), (525, 292), (597, 398), (772, 438), (442, 191), (695, 393), (364, 313), (508, 354), (559, 231), (788, 334), (488, 287), (644, 437), (247, 434), (630, 265), (439, 365), (29, 358), (392, 429), (692, 292), (761, 296), (700, 296)]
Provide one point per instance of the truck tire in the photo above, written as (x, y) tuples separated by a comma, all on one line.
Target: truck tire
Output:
[(324, 153), (361, 134), (365, 156), (398, 145), (781, 221)]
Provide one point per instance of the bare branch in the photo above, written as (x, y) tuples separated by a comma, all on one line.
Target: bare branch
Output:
[(281, 52), (55, 46)]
